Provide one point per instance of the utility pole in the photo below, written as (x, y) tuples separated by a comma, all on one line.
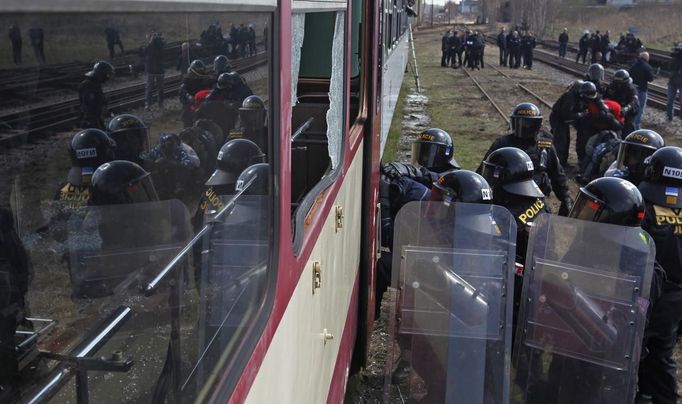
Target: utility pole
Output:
[(431, 13)]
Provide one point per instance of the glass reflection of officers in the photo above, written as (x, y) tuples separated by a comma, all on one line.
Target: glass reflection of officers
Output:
[(91, 96), (526, 122)]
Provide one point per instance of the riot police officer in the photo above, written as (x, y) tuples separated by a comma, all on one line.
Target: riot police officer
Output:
[(661, 187), (130, 135), (594, 115), (88, 149), (221, 65), (195, 80), (222, 103), (562, 116), (526, 121), (632, 153), (432, 154), (595, 74), (256, 178), (230, 87), (252, 116), (91, 97), (624, 92), (122, 182)]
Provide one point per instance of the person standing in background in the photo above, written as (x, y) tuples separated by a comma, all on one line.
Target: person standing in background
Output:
[(15, 38), (642, 74), (37, 37), (563, 43)]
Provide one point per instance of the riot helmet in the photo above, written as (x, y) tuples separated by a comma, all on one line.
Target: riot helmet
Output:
[(576, 86), (588, 90), (461, 186), (621, 77), (221, 65), (130, 135), (89, 149), (634, 149), (212, 128), (233, 158), (662, 181), (676, 51), (433, 150), (101, 71), (609, 200), (526, 120), (197, 67), (121, 182), (228, 80), (511, 169), (595, 73), (252, 112), (259, 174)]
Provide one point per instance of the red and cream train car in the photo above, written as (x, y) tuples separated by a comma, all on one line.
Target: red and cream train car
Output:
[(278, 303)]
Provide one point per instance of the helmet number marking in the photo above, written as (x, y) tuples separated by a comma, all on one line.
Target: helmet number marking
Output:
[(86, 153), (672, 172)]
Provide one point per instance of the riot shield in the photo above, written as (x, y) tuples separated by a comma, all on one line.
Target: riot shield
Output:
[(453, 269), (582, 314)]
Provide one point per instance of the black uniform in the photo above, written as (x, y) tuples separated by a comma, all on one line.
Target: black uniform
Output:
[(564, 112), (14, 282), (514, 49), (445, 50), (15, 38), (502, 44), (192, 83), (456, 48), (626, 95), (583, 45), (113, 38), (527, 46), (548, 173), (37, 37), (92, 103)]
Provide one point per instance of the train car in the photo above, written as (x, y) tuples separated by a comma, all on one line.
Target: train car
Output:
[(138, 286)]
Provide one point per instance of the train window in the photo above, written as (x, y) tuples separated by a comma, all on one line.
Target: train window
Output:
[(356, 53), (317, 117), (137, 223)]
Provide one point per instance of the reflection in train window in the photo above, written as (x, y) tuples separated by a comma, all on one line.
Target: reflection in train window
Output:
[(137, 205)]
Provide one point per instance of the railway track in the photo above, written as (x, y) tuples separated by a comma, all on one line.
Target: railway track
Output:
[(657, 94), (24, 126)]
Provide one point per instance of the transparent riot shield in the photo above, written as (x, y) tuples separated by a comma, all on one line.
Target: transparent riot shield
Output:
[(582, 314), (453, 268)]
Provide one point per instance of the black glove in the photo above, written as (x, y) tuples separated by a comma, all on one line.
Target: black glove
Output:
[(390, 171), (566, 206)]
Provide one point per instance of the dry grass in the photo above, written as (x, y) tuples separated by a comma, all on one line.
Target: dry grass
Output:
[(657, 25)]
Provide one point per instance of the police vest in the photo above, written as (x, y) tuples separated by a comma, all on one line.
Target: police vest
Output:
[(531, 211), (210, 200), (74, 196), (669, 217)]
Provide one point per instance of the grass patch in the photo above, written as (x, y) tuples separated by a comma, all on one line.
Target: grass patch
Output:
[(396, 130)]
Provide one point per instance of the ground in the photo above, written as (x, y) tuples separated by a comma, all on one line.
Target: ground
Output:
[(449, 100)]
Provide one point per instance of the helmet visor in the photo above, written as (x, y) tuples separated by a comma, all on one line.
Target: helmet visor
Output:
[(632, 156), (527, 127), (587, 207), (142, 191), (430, 155)]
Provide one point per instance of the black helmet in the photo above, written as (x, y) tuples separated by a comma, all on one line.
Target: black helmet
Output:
[(120, 182), (91, 148), (634, 149), (252, 112), (235, 156), (211, 127), (621, 77), (101, 71), (609, 200), (260, 174), (221, 65), (588, 90), (197, 67), (511, 169), (526, 120), (576, 86), (433, 149), (663, 177), (130, 135), (461, 186), (595, 73), (676, 50), (228, 80)]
